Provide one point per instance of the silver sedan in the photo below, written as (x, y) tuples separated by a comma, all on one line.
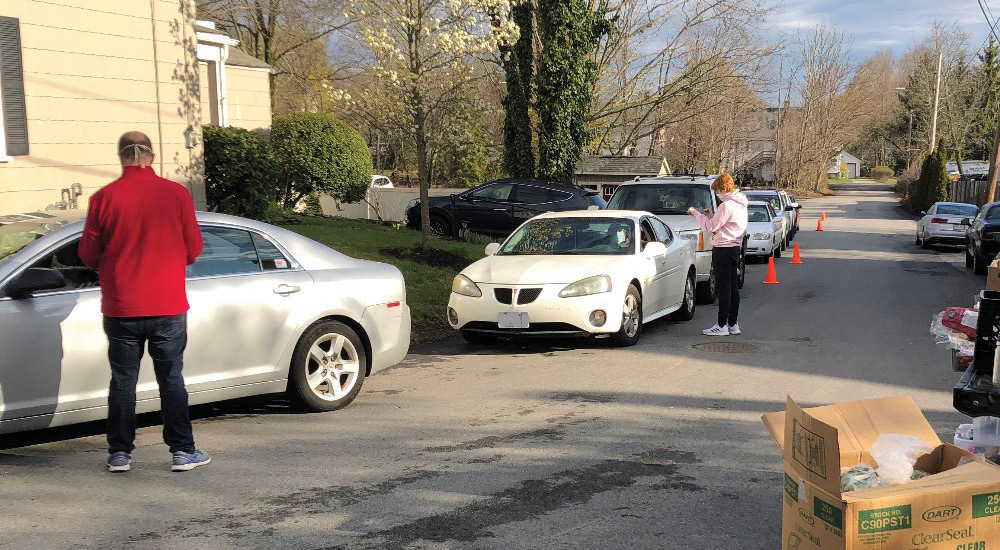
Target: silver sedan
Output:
[(271, 311)]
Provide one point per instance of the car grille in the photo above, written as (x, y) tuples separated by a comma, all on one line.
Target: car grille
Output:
[(524, 296), (503, 295), (536, 328)]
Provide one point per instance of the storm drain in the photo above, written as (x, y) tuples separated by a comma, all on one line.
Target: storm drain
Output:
[(727, 347)]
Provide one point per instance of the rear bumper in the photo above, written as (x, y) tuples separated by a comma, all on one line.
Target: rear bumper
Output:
[(945, 235), (388, 331)]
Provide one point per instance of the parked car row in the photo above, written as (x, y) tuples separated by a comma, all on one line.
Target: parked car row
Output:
[(976, 229)]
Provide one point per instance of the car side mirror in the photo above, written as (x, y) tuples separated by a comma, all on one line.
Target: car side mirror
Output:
[(789, 208), (796, 205), (35, 279), (923, 212), (492, 249), (966, 222), (654, 248)]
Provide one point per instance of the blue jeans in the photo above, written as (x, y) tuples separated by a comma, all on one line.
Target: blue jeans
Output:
[(127, 339)]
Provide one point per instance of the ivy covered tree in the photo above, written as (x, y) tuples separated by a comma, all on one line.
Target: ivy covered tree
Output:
[(519, 67), (569, 32)]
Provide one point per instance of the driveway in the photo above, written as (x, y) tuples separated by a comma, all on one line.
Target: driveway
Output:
[(659, 446)]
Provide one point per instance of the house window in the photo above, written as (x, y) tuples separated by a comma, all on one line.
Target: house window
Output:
[(13, 115)]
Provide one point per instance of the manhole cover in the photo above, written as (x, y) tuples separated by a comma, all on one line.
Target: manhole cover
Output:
[(727, 347)]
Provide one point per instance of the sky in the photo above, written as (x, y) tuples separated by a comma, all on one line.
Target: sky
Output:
[(881, 24)]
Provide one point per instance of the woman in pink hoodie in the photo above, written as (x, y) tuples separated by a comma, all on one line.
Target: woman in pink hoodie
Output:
[(728, 226)]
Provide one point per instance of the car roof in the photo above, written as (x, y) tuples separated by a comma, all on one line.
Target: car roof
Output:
[(530, 181), (631, 214), (704, 180), (957, 204), (757, 203)]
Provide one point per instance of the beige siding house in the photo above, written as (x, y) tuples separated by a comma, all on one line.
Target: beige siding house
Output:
[(76, 74)]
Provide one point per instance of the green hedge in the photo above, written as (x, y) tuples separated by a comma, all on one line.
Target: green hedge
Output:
[(882, 173), (239, 172)]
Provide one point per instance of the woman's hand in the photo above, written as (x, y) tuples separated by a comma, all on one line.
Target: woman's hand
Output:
[(692, 210)]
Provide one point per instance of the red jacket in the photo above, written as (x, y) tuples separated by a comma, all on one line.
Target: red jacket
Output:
[(140, 234)]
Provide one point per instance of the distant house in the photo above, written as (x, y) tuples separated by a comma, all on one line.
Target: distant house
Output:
[(604, 173), (76, 74), (850, 162)]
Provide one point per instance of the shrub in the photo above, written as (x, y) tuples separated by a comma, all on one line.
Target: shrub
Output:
[(881, 173), (319, 154), (239, 172), (933, 183)]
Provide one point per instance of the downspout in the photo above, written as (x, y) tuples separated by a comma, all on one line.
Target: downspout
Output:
[(223, 87), (156, 78)]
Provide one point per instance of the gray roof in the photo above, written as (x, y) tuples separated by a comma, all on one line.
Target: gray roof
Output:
[(619, 166), (239, 58), (209, 30)]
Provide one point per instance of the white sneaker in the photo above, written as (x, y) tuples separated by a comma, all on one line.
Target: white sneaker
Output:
[(734, 329), (716, 330)]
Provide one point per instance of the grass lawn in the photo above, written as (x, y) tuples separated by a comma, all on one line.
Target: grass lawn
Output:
[(839, 180), (427, 286)]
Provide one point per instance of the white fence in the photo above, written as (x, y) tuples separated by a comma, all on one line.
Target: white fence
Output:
[(391, 203)]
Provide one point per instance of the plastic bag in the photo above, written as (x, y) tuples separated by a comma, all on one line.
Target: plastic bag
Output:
[(954, 339), (896, 455), (858, 477)]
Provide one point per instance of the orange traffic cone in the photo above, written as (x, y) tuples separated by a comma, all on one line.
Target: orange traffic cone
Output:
[(796, 259), (823, 216), (819, 225), (772, 277), (798, 218)]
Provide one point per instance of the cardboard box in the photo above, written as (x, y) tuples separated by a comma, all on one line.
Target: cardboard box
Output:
[(993, 275), (955, 508)]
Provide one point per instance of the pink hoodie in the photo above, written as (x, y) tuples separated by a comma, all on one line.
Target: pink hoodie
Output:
[(729, 223)]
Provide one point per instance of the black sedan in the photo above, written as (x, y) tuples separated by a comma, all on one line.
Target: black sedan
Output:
[(498, 207), (982, 240)]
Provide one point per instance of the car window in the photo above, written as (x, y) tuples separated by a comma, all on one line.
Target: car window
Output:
[(497, 192), (529, 194), (662, 199), (571, 236), (598, 201), (663, 233), (270, 257), (66, 261), (993, 214), (771, 198), (646, 234), (757, 213), (227, 252), (965, 210)]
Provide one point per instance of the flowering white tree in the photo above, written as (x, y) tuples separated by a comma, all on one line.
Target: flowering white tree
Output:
[(423, 69)]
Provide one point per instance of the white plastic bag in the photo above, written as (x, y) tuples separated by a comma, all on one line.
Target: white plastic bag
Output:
[(952, 338), (896, 455)]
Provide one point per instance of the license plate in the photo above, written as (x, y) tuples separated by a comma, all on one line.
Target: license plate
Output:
[(957, 227), (513, 320)]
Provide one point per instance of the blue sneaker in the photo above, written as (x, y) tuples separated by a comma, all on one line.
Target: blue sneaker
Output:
[(119, 462), (189, 461)]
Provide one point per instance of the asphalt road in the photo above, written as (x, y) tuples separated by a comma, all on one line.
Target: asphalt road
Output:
[(659, 446)]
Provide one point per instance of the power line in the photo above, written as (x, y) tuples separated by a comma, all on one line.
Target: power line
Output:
[(992, 22)]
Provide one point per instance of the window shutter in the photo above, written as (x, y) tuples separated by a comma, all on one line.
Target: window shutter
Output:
[(12, 87)]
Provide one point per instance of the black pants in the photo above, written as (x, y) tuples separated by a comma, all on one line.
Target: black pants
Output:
[(726, 261), (127, 339)]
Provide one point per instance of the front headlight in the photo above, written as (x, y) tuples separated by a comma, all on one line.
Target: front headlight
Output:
[(761, 236), (412, 203), (464, 286), (694, 236), (585, 287)]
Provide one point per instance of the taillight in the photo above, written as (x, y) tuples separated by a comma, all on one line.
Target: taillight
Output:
[(938, 220), (701, 241), (393, 304)]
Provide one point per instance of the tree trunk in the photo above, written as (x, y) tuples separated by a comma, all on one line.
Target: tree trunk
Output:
[(423, 171)]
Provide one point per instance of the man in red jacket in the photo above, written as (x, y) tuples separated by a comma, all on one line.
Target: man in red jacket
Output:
[(141, 234)]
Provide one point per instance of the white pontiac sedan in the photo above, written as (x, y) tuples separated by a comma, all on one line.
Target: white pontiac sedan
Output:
[(584, 273), (764, 227)]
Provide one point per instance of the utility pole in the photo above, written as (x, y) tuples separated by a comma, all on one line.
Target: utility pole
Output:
[(777, 122), (991, 179), (937, 96)]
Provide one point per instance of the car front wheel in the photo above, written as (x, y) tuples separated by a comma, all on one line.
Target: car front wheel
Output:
[(328, 367), (979, 263), (440, 226), (686, 312), (631, 329), (969, 262), (706, 292)]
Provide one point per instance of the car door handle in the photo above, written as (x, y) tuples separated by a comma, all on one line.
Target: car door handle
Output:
[(285, 290), (499, 209)]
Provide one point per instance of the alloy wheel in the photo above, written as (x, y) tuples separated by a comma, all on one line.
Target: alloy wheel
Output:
[(332, 367), (631, 316)]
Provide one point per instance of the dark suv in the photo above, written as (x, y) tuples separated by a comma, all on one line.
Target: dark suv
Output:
[(982, 240), (498, 207)]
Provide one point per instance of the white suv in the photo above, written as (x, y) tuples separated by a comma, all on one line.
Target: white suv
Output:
[(669, 198)]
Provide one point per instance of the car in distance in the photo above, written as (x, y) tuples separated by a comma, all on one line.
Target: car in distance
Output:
[(271, 311), (668, 197), (982, 237), (942, 223), (592, 273), (381, 182), (781, 206), (763, 230), (498, 207)]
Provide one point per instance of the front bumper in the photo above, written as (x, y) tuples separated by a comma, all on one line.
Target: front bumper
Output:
[(760, 248), (702, 265), (548, 314)]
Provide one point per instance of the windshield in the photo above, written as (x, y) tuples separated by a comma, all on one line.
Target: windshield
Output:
[(757, 213), (571, 236), (965, 210), (662, 199), (15, 236), (766, 197)]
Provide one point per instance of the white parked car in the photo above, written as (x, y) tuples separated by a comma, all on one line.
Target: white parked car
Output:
[(779, 203), (382, 182), (764, 228), (942, 223), (271, 311), (668, 198), (585, 273)]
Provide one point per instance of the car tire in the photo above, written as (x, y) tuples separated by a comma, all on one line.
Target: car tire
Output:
[(777, 251), (479, 338), (321, 377), (440, 226), (688, 303), (969, 262), (631, 329), (918, 240), (924, 244), (741, 268), (707, 292), (978, 263), (784, 242)]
